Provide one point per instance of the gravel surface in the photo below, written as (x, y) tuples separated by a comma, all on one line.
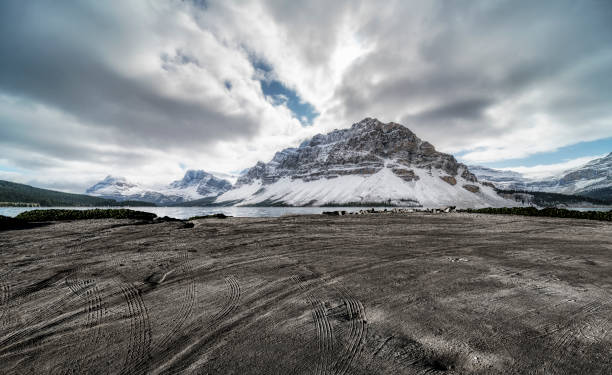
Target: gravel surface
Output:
[(359, 294)]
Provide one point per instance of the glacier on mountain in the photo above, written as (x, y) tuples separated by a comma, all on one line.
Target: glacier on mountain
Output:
[(196, 184), (369, 163), (591, 179)]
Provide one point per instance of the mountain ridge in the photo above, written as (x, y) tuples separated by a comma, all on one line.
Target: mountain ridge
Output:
[(195, 185), (593, 179), (12, 192), (371, 162)]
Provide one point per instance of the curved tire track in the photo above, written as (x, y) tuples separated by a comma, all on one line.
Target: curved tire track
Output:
[(232, 302), (325, 334), (34, 329), (185, 310), (357, 335), (5, 296), (140, 329), (187, 302), (173, 364)]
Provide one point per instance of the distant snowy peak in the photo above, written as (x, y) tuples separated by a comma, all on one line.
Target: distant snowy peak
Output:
[(112, 185), (111, 182), (494, 174), (370, 162), (192, 177), (119, 188), (198, 184), (593, 176), (502, 179)]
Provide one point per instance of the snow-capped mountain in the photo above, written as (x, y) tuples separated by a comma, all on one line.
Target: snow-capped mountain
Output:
[(592, 179), (113, 185), (196, 184), (371, 162), (594, 175), (118, 188), (502, 179)]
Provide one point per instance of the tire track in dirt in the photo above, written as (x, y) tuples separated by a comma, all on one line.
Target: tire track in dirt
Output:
[(289, 254), (594, 330), (94, 309), (564, 334), (140, 346), (232, 302), (325, 335), (358, 331), (5, 296), (34, 329), (19, 341), (89, 292), (185, 310), (270, 301), (140, 329), (187, 304), (172, 365), (355, 314), (548, 328)]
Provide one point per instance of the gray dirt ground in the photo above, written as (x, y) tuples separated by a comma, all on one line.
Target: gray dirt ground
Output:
[(388, 294)]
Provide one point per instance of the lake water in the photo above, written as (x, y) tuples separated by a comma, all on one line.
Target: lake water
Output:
[(187, 212)]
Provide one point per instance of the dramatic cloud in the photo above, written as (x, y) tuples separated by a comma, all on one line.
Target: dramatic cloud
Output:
[(146, 89)]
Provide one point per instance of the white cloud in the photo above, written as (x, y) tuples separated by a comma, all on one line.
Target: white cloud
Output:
[(142, 87)]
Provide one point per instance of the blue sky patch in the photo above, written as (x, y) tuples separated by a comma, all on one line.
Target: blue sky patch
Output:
[(282, 95), (562, 154), (4, 168)]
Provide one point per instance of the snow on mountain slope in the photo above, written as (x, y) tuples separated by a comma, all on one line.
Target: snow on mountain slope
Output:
[(371, 162), (596, 174), (381, 187), (120, 189), (502, 179), (196, 184), (113, 186), (593, 176)]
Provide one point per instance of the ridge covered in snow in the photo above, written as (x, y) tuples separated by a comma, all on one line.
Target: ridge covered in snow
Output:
[(502, 179), (196, 184), (588, 179), (369, 163)]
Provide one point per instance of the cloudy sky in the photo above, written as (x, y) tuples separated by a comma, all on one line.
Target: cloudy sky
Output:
[(147, 89)]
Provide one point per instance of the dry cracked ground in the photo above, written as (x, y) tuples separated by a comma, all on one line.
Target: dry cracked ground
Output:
[(369, 294)]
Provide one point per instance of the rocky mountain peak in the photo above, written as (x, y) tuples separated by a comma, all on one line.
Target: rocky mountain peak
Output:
[(195, 184), (194, 175), (204, 183), (370, 162), (115, 182), (592, 179), (191, 177), (364, 149)]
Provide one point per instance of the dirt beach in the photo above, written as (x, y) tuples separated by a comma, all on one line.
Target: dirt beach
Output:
[(359, 294)]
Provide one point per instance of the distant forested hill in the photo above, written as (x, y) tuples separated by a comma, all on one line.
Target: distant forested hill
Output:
[(603, 194), (11, 192)]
